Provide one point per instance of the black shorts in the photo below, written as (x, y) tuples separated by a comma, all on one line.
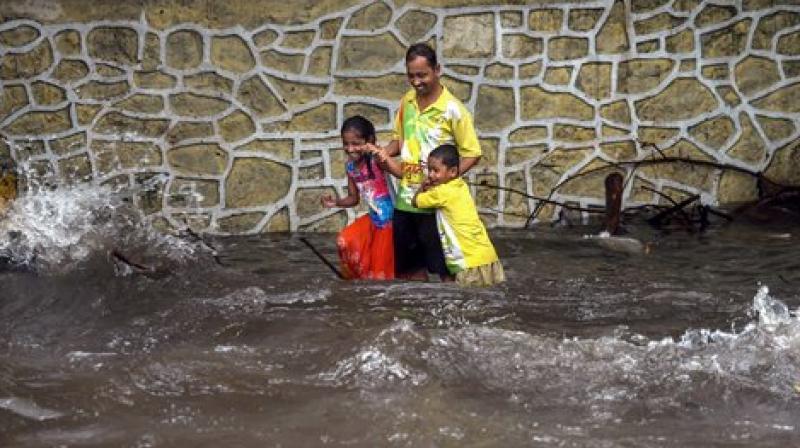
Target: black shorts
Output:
[(416, 244)]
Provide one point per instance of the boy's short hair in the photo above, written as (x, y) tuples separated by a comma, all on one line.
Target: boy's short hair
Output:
[(448, 154)]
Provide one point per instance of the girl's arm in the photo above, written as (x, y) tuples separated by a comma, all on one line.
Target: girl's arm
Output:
[(385, 160), (351, 200)]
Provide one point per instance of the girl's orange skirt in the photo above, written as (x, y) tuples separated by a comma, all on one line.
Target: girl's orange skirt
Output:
[(365, 251)]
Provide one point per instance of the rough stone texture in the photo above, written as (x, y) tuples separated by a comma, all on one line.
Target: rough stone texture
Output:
[(151, 55), (530, 70), (414, 25), (498, 71), (619, 151), (297, 40), (617, 111), (72, 143), (726, 42), (714, 132), (682, 42), (154, 80), (754, 74), (193, 193), (639, 6), (294, 94), (528, 134), (280, 221), (712, 14), (19, 36), (729, 95), (521, 46), (511, 19), (209, 82), (594, 79), (87, 112), (283, 62), (320, 117), (186, 130), (659, 22), (516, 208), (142, 103), (696, 176), (68, 71), (613, 35), (584, 19), (236, 126), (38, 123), (99, 90), (657, 136), (279, 149), (320, 62), (184, 49), (389, 87), (785, 165), (683, 99), (565, 48), (204, 158), (13, 98), (751, 147), (538, 103), (377, 115), (469, 36), (569, 133), (231, 53), (558, 75), (789, 44), (115, 123), (785, 99), (115, 44), (776, 128), (254, 182), (265, 38), (47, 94), (239, 223), (649, 46), (192, 105), (716, 71), (371, 17), (112, 155), (108, 71), (735, 188), (75, 169), (546, 20), (642, 75), (27, 64), (522, 154), (770, 24), (791, 69)]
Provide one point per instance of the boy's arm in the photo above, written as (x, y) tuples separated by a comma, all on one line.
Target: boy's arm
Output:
[(427, 198), (351, 200)]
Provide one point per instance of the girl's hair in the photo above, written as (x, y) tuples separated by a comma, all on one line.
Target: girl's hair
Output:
[(423, 50), (361, 126), (448, 154), (366, 130)]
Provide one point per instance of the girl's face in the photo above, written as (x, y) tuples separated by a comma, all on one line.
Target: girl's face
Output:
[(353, 144)]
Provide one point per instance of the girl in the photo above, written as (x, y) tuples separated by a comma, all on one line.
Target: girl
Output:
[(365, 246)]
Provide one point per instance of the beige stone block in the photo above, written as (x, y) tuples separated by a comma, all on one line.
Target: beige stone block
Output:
[(13, 98), (87, 112), (755, 74), (686, 5), (151, 54), (639, 6), (236, 126), (591, 182), (642, 75), (283, 62), (232, 54), (726, 42), (265, 38), (729, 95), (657, 136), (511, 19), (460, 89), (692, 175), (115, 123), (687, 65), (530, 70), (607, 131), (791, 69), (716, 71), (469, 36), (499, 71), (649, 46), (789, 44), (279, 221), (330, 224), (516, 210), (371, 17), (209, 82), (199, 159), (570, 133), (770, 24), (521, 46), (613, 35), (736, 188), (566, 48), (313, 172), (387, 87), (338, 159), (142, 103), (115, 44), (150, 195), (714, 132), (785, 99), (415, 25), (186, 130), (239, 223), (619, 151), (561, 160), (318, 119), (528, 134), (712, 14), (101, 90), (682, 99), (490, 149), (617, 112), (584, 19), (298, 40), (558, 76), (75, 169), (750, 147), (657, 23), (68, 71), (193, 193), (538, 103), (112, 155), (776, 128), (154, 80), (329, 29), (294, 94), (184, 49), (19, 36), (282, 149), (486, 196), (40, 123), (319, 63), (108, 71), (641, 192), (28, 64), (522, 154), (307, 200), (546, 20), (784, 168), (753, 5), (594, 79), (682, 42), (379, 116), (193, 105), (69, 144)]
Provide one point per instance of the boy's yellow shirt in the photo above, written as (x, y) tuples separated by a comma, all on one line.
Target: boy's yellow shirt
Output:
[(465, 241)]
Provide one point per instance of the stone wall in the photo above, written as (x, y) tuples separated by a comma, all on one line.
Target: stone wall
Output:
[(224, 114)]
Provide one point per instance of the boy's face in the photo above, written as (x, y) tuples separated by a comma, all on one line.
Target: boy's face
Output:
[(438, 172), (353, 144)]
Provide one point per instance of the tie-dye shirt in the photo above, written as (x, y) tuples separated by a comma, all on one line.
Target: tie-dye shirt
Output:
[(373, 189), (419, 133)]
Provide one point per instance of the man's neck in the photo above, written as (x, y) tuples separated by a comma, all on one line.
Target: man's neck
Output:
[(427, 100)]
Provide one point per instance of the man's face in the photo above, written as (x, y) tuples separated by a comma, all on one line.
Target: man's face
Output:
[(422, 77)]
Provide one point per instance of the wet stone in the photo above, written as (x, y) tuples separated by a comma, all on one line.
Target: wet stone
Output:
[(115, 44), (469, 36), (75, 169), (750, 148), (785, 165), (193, 193), (184, 49), (232, 54), (736, 188), (19, 36), (198, 159), (112, 155), (256, 182)]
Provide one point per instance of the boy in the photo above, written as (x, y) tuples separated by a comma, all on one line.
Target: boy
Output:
[(468, 252)]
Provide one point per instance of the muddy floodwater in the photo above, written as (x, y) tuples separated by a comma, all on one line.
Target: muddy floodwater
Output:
[(253, 342)]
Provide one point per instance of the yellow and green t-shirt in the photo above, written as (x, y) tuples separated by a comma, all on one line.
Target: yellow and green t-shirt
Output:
[(420, 132), (465, 241)]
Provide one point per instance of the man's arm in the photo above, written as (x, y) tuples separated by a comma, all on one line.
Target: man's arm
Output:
[(467, 163)]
